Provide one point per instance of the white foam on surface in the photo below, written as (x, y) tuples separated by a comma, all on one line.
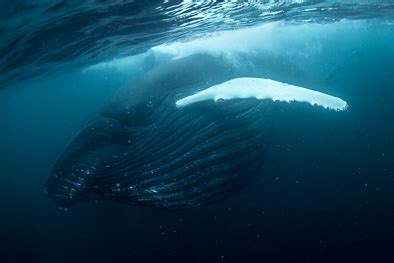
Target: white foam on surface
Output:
[(305, 44), (258, 88), (244, 40), (125, 64)]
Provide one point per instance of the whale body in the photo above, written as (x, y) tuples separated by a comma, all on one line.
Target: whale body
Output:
[(187, 133)]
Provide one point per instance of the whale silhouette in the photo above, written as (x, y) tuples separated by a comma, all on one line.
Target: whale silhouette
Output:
[(187, 133)]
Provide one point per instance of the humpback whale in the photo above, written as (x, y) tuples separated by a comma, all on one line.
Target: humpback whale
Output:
[(185, 134)]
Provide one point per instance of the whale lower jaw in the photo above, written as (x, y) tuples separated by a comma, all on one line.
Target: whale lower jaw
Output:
[(258, 88)]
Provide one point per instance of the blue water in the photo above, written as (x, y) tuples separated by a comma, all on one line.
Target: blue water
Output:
[(326, 190)]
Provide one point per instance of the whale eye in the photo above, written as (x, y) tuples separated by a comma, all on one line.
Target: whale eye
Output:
[(150, 104)]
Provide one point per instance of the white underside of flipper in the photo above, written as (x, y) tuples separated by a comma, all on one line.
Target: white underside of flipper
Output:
[(258, 88)]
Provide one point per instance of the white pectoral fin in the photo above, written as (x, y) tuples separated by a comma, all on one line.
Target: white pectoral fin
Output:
[(258, 88)]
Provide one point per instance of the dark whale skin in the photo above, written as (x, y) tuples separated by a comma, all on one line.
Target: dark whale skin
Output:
[(142, 150)]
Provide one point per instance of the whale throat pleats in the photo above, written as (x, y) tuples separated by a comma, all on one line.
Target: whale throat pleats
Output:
[(187, 158), (259, 88)]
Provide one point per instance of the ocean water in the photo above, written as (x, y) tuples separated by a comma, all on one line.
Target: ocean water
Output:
[(325, 191)]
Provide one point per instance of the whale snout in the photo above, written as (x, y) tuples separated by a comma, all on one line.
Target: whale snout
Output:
[(63, 191), (91, 150), (68, 183)]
